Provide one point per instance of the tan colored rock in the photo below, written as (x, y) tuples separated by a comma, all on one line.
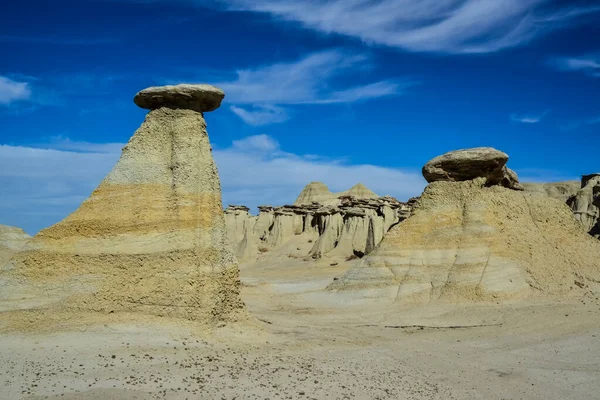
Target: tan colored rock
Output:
[(468, 164), (12, 240), (562, 191), (360, 191), (316, 192), (151, 239), (201, 98), (586, 212), (469, 242)]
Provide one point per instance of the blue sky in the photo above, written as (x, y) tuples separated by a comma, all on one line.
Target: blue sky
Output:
[(339, 91)]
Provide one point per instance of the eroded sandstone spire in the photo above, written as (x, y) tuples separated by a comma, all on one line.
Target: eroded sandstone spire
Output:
[(150, 239)]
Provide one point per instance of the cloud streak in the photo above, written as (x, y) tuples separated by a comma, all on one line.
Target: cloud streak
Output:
[(528, 118), (589, 64), (261, 115), (313, 79), (12, 91), (444, 26)]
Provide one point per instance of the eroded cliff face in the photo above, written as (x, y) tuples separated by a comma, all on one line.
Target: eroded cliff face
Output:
[(472, 241), (352, 228), (585, 204), (150, 239)]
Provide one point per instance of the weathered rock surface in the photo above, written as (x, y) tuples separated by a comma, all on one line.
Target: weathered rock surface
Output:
[(585, 204), (467, 241), (360, 191), (201, 98), (12, 240), (352, 227), (562, 191), (469, 164), (316, 192), (150, 239)]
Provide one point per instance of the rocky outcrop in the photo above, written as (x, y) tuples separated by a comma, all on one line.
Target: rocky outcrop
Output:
[(150, 239), (352, 228), (469, 241), (12, 240), (585, 204), (201, 98), (580, 196), (469, 164), (360, 191), (562, 191), (316, 192)]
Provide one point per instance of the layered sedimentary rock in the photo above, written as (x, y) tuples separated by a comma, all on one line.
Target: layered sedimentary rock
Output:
[(562, 191), (468, 164), (352, 227), (360, 191), (316, 192), (469, 241), (12, 240), (150, 239)]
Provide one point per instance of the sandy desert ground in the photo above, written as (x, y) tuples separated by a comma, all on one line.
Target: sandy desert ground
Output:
[(308, 344)]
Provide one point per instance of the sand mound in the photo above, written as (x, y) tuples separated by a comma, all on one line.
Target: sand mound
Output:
[(150, 239), (360, 191), (12, 240), (469, 242), (316, 192)]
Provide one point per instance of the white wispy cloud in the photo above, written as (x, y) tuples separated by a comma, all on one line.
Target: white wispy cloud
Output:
[(261, 115), (42, 184), (447, 26), (528, 118), (589, 64), (306, 81), (11, 90), (309, 80)]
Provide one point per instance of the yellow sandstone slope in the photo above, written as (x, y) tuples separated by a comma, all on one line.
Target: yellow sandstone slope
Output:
[(468, 241)]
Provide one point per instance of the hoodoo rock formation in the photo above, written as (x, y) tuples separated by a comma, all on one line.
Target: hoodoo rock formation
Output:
[(151, 238), (469, 241), (343, 225), (12, 240)]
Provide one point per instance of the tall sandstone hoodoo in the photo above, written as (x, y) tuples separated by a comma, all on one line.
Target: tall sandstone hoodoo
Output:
[(475, 239), (151, 238)]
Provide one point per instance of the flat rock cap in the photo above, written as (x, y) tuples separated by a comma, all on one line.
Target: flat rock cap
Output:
[(467, 164), (201, 98)]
